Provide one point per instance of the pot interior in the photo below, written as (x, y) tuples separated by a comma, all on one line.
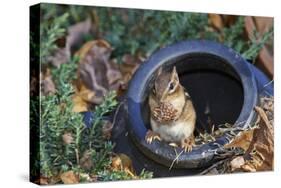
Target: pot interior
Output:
[(214, 86)]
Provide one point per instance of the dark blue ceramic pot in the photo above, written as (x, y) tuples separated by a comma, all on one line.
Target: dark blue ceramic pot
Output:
[(216, 77)]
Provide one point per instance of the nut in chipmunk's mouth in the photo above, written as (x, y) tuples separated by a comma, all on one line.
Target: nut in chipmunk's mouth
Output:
[(164, 112)]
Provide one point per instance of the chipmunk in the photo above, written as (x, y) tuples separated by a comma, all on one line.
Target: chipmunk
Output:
[(172, 113)]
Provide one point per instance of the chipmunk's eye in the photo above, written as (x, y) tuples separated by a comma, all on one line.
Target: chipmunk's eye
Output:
[(171, 86)]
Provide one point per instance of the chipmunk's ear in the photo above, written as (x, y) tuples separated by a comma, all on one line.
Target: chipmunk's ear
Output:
[(175, 74), (159, 71)]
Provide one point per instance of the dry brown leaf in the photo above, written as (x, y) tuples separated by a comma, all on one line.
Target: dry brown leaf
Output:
[(214, 171), (260, 153), (42, 180), (59, 57), (47, 84), (97, 74), (216, 20), (128, 67), (83, 96), (113, 74), (229, 20), (248, 167), (87, 177), (76, 34), (116, 163), (121, 162), (86, 161), (237, 163), (80, 105), (98, 49), (243, 140), (69, 177), (67, 138), (106, 129), (267, 104), (261, 148), (34, 84)]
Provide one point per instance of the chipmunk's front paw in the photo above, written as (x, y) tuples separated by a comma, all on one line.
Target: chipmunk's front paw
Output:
[(150, 136), (187, 144)]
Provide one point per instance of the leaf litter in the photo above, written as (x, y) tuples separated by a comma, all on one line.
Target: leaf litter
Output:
[(256, 142)]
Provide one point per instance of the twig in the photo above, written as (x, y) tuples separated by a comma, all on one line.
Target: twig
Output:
[(213, 166), (177, 157), (78, 161), (77, 156), (267, 84)]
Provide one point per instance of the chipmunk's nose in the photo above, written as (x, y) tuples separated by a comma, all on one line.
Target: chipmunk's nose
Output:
[(161, 99)]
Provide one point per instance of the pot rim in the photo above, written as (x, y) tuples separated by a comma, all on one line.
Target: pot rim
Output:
[(204, 154)]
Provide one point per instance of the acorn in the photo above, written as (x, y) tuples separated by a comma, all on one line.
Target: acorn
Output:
[(164, 112)]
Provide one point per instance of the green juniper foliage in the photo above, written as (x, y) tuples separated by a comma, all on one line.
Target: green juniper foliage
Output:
[(35, 131), (256, 44), (57, 119), (50, 31), (144, 31), (66, 73)]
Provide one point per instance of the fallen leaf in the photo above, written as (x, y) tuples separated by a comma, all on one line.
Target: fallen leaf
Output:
[(34, 84), (67, 138), (116, 163), (76, 34), (248, 167), (260, 153), (261, 148), (42, 181), (229, 20), (121, 162), (83, 96), (97, 49), (237, 163), (243, 140), (86, 162), (214, 171), (128, 67), (97, 74), (59, 57), (86, 177), (80, 105), (114, 76), (69, 177), (47, 84), (216, 20), (267, 103), (106, 129)]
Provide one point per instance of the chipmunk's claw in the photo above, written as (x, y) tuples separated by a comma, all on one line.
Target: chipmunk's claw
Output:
[(187, 148), (187, 144), (173, 144), (150, 136)]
